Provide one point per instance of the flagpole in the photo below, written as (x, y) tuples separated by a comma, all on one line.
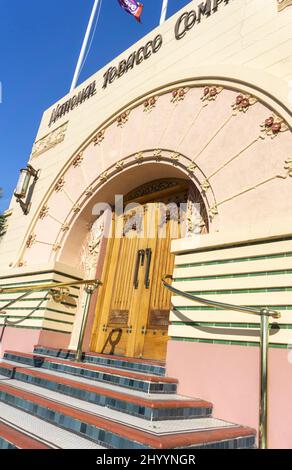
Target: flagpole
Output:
[(163, 11), (84, 46)]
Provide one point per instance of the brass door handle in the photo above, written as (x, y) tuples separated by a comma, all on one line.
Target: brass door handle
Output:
[(148, 264), (139, 262)]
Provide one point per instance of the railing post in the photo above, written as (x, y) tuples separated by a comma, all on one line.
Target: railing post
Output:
[(264, 346), (89, 289)]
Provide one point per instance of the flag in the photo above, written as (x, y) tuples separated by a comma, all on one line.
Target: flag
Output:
[(132, 7)]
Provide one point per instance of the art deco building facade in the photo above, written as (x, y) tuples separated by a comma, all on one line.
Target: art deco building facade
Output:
[(196, 113)]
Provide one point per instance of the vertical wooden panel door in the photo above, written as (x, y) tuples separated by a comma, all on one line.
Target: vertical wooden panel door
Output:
[(133, 309)]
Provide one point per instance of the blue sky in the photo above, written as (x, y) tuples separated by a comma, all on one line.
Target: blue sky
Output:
[(39, 46)]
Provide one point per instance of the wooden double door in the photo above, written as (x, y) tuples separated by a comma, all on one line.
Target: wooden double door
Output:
[(132, 315)]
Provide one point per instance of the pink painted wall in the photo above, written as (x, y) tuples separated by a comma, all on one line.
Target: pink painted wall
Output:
[(24, 340), (228, 376)]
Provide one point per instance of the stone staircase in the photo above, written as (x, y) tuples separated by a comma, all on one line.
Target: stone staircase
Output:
[(48, 400)]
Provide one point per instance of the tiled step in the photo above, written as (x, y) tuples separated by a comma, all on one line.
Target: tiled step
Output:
[(11, 438), (137, 365), (150, 408), (117, 435), (50, 435), (123, 378)]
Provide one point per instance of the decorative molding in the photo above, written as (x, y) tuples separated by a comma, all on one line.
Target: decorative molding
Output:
[(65, 227), (78, 160), (139, 157), (30, 241), (192, 167), (243, 103), (97, 140), (282, 4), (76, 208), (44, 212), (56, 247), (213, 212), (205, 186), (91, 247), (89, 191), (123, 118), (288, 166), (49, 141), (60, 184), (157, 154), (273, 126), (211, 94), (103, 177), (175, 157), (179, 95), (120, 165), (152, 187), (150, 104)]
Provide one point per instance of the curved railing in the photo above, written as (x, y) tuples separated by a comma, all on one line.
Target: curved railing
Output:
[(264, 314), (59, 291)]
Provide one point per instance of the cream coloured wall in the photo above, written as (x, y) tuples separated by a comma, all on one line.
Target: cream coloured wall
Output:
[(233, 44)]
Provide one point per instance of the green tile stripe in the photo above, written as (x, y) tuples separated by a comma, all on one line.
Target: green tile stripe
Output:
[(12, 317), (284, 326), (38, 309), (233, 260), (229, 343), (14, 276), (233, 276), (39, 328), (241, 291), (193, 308)]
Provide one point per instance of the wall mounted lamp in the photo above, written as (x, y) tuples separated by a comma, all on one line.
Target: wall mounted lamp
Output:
[(23, 189)]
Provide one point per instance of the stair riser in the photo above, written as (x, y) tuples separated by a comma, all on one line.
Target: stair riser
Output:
[(100, 436), (241, 443), (133, 384), (105, 361), (5, 444), (132, 409)]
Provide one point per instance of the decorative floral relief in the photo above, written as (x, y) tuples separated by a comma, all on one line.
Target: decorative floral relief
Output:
[(179, 94), (282, 4), (103, 177), (213, 212), (211, 94), (157, 154), (44, 212), (91, 247), (175, 157), (192, 167), (273, 126), (65, 227), (288, 166), (123, 118), (139, 157), (97, 140), (89, 191), (120, 165), (78, 160), (150, 104), (49, 141), (56, 247), (30, 241), (76, 208), (60, 184), (205, 186), (243, 103)]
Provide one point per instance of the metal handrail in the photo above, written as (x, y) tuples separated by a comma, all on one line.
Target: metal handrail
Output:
[(265, 314), (59, 292)]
